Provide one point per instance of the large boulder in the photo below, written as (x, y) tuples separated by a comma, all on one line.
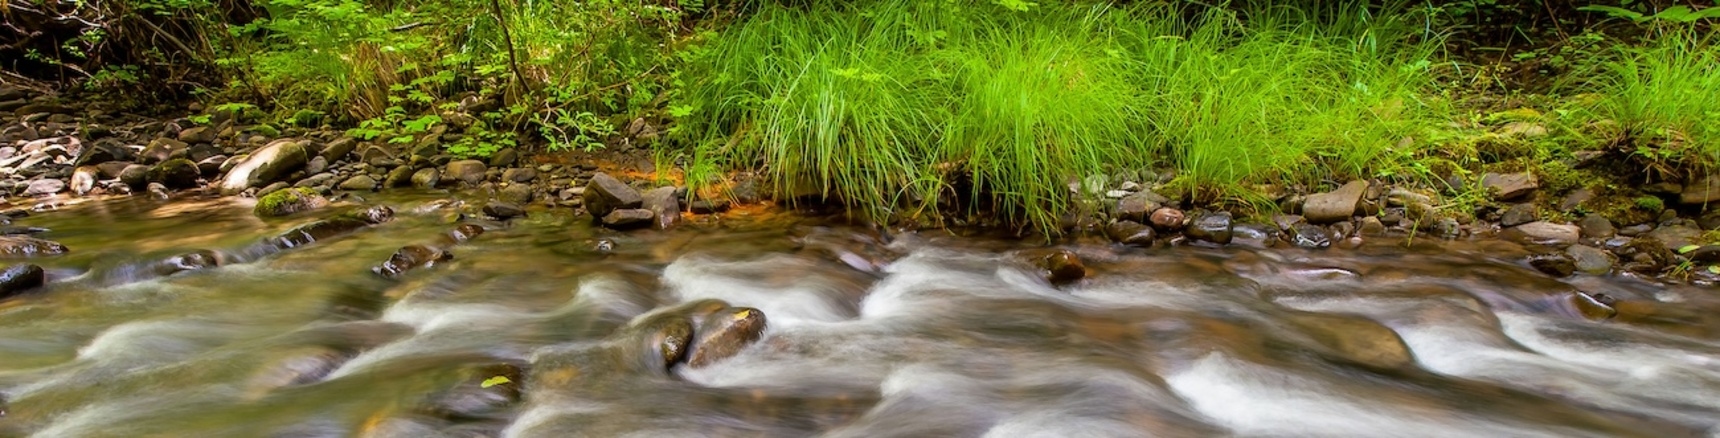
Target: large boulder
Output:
[(271, 163), (605, 194), (289, 201), (1334, 206)]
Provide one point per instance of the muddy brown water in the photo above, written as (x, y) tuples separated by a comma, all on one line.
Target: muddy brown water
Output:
[(911, 335)]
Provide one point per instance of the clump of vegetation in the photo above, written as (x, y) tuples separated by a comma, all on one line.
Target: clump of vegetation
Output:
[(1647, 89), (1650, 204), (885, 105)]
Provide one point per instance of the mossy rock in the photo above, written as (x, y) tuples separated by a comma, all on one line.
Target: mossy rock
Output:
[(289, 201)]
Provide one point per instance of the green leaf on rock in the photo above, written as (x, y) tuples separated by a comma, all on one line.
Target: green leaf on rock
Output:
[(497, 380), (1686, 249)]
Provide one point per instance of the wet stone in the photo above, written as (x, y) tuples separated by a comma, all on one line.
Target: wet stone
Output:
[(469, 171), (503, 210), (18, 279), (1593, 307), (664, 204), (517, 194), (605, 194), (359, 183), (44, 187), (723, 334), (1310, 236), (24, 246), (288, 201), (1135, 207), (1595, 226), (1510, 186), (1212, 227), (1371, 226), (1518, 214), (398, 177), (1554, 264), (1061, 267), (1130, 233), (191, 261), (427, 178), (1337, 205), (1590, 260), (1543, 233), (1167, 219), (709, 206), (411, 257), (626, 219)]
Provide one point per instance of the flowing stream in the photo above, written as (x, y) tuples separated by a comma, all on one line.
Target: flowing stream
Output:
[(869, 334)]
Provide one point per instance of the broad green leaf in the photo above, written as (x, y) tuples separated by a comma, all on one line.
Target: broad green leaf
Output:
[(1686, 249)]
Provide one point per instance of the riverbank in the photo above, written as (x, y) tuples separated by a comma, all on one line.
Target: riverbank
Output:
[(83, 151)]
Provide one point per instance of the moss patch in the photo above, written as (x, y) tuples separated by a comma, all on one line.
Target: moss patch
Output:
[(289, 201)]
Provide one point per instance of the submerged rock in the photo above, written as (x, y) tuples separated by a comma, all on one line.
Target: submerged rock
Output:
[(463, 233), (503, 210), (191, 261), (1061, 267), (1306, 235), (723, 334), (411, 257), (289, 201), (329, 228), (24, 246), (17, 279)]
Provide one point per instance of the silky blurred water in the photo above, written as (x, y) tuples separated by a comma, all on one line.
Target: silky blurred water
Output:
[(871, 334)]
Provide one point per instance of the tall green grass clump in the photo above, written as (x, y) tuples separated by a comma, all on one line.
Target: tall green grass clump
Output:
[(1663, 92), (1282, 95), (891, 105)]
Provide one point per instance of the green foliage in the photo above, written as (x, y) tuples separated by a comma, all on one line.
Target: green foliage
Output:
[(1650, 203), (1648, 90), (1673, 14), (885, 104)]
